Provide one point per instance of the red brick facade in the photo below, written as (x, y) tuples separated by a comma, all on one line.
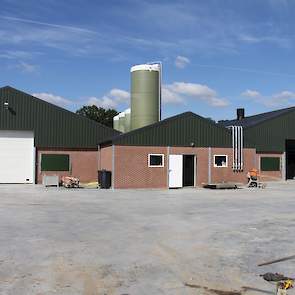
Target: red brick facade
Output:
[(220, 174), (105, 160), (132, 171), (131, 168), (84, 164)]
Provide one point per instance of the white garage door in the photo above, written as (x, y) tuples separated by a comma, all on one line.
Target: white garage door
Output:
[(17, 156)]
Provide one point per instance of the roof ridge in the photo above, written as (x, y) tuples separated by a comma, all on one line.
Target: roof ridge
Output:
[(257, 119), (261, 114), (163, 122), (59, 108)]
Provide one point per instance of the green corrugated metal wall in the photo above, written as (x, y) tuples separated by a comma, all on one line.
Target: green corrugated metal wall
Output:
[(52, 125), (271, 135), (181, 130)]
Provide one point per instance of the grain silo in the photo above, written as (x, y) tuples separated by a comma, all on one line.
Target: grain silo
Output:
[(116, 123), (145, 94), (127, 120), (122, 122)]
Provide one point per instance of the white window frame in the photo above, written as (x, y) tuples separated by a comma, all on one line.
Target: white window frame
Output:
[(156, 166), (226, 159)]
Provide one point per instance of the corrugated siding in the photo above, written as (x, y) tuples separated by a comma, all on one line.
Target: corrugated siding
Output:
[(181, 130), (52, 125), (271, 135)]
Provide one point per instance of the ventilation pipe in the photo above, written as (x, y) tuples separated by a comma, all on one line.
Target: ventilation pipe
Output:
[(237, 147), (240, 114)]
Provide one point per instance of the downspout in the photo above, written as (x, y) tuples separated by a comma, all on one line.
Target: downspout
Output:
[(283, 166), (113, 167), (168, 154), (99, 157), (209, 164)]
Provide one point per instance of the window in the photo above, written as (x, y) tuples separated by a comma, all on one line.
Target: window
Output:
[(269, 164), (156, 160), (55, 162), (220, 160)]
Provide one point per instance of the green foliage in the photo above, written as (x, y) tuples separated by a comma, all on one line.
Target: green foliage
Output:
[(99, 115)]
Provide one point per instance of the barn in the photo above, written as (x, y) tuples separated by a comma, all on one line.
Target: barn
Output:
[(186, 150), (273, 135), (38, 138)]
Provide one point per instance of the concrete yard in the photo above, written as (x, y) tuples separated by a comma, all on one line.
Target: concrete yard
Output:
[(90, 242)]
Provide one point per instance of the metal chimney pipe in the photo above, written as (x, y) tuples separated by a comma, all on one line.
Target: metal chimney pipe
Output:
[(240, 114)]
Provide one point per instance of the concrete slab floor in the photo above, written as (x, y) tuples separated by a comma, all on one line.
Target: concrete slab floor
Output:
[(92, 242)]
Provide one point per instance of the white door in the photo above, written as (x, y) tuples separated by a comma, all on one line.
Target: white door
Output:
[(17, 156), (175, 171)]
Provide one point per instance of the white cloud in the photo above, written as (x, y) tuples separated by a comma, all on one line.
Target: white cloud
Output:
[(171, 97), (251, 93), (283, 98), (278, 40), (111, 100), (181, 61), (26, 67), (29, 21), (104, 102), (54, 99), (15, 54), (175, 93), (179, 92), (120, 95)]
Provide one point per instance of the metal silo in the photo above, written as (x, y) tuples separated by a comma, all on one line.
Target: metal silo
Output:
[(145, 94), (116, 123), (122, 122), (127, 120)]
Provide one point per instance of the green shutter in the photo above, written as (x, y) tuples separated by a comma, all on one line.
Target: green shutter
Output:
[(269, 164), (55, 162)]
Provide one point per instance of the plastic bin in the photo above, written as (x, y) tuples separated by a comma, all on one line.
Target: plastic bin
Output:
[(105, 179)]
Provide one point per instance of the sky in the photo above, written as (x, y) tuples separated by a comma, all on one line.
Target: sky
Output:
[(217, 55)]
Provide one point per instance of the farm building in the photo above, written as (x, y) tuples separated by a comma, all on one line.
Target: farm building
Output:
[(184, 150), (38, 138), (273, 136)]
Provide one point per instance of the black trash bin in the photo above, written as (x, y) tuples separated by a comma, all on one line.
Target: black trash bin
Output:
[(105, 179)]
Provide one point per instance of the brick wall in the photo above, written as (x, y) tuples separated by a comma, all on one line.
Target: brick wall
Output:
[(220, 174), (201, 172), (106, 158), (132, 171), (84, 164), (269, 175)]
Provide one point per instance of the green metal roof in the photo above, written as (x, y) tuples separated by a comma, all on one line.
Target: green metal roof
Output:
[(271, 135), (268, 131), (181, 130), (53, 127), (257, 119)]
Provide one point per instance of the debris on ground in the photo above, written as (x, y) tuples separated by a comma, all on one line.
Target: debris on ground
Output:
[(70, 182), (214, 291), (221, 185)]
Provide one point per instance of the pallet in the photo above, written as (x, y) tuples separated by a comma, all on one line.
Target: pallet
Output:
[(222, 185)]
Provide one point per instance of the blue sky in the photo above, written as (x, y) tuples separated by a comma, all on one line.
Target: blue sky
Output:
[(217, 54)]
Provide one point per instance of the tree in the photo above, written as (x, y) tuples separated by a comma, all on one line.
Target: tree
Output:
[(100, 115)]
